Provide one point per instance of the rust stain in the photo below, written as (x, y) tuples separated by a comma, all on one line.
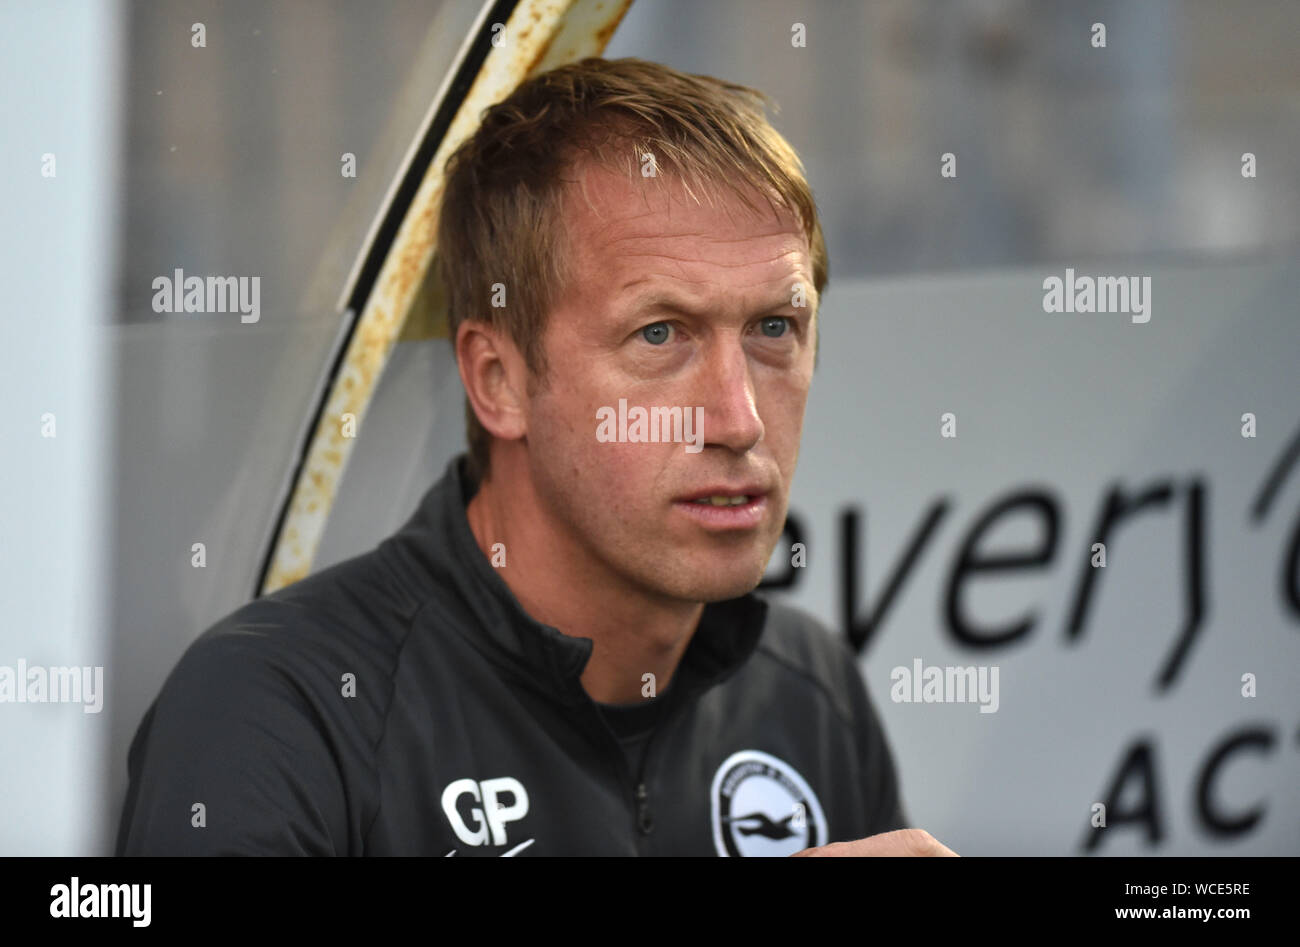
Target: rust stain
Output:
[(541, 54), (605, 33)]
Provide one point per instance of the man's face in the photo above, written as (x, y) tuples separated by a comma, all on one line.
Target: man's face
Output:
[(673, 305)]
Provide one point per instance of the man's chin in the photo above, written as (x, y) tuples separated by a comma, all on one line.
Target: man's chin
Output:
[(706, 586), (716, 575)]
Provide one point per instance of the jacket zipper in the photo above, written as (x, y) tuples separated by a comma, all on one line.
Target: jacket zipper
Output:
[(642, 816), (645, 822)]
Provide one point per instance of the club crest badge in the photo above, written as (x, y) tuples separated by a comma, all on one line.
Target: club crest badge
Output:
[(762, 807)]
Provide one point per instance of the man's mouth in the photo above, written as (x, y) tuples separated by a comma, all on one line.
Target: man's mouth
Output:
[(736, 500), (726, 507)]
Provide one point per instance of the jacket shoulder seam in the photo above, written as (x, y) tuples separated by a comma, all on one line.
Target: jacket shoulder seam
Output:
[(383, 729), (818, 683)]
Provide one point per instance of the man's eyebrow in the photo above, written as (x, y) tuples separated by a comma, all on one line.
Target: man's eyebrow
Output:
[(660, 299)]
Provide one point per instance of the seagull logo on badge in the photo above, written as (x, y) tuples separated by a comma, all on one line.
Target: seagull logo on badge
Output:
[(764, 826)]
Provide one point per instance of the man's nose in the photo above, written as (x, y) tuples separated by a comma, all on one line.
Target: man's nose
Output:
[(730, 408)]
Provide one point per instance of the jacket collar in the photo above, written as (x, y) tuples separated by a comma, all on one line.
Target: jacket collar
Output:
[(446, 553)]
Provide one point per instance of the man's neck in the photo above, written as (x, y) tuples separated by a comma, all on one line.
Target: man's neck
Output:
[(559, 583)]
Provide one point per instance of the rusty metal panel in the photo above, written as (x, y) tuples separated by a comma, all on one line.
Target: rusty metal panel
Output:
[(540, 35)]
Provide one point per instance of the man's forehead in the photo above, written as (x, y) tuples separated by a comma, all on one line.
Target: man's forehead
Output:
[(611, 219)]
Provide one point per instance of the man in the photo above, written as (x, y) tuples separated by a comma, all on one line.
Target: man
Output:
[(561, 652)]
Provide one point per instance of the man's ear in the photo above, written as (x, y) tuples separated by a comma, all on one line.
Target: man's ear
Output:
[(495, 379)]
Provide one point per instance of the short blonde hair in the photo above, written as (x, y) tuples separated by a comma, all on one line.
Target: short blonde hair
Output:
[(501, 214)]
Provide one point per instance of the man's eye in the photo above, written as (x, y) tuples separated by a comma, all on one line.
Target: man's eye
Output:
[(774, 326), (656, 334)]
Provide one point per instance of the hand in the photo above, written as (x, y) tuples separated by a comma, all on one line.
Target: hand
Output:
[(903, 842)]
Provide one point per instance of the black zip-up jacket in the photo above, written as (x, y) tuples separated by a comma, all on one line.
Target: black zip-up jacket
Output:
[(402, 702)]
